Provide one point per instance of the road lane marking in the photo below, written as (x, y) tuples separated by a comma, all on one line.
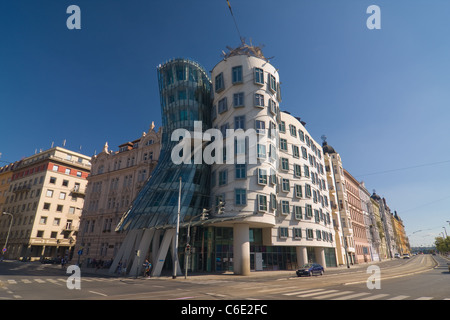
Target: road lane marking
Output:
[(12, 281), (39, 280), (279, 289), (99, 293), (424, 298), (315, 293), (352, 296), (399, 298), (26, 281), (381, 295), (303, 291), (326, 296)]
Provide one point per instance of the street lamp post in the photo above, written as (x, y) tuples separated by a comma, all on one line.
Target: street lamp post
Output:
[(9, 231), (175, 249)]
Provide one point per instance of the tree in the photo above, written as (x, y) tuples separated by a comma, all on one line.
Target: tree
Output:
[(442, 244)]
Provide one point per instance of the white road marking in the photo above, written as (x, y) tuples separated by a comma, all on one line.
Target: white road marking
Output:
[(399, 298), (300, 292), (315, 293), (352, 296)]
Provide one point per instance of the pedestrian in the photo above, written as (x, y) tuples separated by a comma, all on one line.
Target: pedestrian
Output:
[(147, 267)]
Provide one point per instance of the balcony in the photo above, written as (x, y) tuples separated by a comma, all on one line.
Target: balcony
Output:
[(78, 191)]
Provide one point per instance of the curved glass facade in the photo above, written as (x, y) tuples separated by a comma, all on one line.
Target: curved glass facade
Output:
[(185, 94)]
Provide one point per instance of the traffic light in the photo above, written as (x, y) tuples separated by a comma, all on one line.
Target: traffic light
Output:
[(205, 214), (221, 207)]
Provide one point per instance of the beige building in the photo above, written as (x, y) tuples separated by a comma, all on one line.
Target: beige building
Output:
[(44, 200), (115, 180), (362, 247), (339, 203)]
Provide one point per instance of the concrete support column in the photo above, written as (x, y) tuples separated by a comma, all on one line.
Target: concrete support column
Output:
[(302, 256), (241, 251), (320, 256)]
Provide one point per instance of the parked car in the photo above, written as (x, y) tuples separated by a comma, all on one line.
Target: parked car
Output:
[(310, 269), (406, 256), (397, 255)]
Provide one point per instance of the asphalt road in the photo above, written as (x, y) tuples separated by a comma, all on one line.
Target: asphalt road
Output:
[(423, 277)]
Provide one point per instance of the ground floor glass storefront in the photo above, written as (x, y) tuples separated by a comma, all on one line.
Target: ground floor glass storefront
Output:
[(211, 250)]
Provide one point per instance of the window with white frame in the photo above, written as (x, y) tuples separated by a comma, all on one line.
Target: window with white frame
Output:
[(262, 203), (308, 211), (273, 201), (297, 233), (262, 176), (259, 100), (318, 235), (222, 105), (298, 213), (298, 191), (236, 74), (261, 151), (259, 76), (272, 83), (308, 190), (301, 135), (284, 207), (309, 234), (260, 127), (285, 185), (240, 171), (239, 122), (223, 177), (295, 151), (297, 171), (293, 130), (283, 144), (240, 196), (285, 164), (219, 83), (283, 232), (238, 99)]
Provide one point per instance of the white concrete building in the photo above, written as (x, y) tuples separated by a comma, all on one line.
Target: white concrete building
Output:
[(283, 196)]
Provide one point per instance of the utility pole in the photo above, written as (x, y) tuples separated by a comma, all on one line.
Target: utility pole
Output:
[(175, 249)]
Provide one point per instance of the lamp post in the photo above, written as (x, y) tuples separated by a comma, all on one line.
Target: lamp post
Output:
[(175, 249), (9, 231)]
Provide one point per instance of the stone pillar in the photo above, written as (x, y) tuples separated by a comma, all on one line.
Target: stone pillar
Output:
[(320, 256), (302, 256), (241, 251)]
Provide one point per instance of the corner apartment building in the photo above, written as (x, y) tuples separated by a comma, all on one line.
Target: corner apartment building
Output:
[(45, 198), (338, 195), (284, 191), (115, 180)]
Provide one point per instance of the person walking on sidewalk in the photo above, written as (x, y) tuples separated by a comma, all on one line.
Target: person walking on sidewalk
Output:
[(147, 267)]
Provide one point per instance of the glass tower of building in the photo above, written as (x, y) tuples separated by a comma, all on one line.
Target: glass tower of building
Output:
[(185, 94)]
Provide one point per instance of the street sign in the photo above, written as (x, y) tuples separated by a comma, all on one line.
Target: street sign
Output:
[(4, 250), (80, 252)]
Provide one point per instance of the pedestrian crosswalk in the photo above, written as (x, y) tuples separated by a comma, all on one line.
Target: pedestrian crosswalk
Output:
[(336, 294), (56, 281)]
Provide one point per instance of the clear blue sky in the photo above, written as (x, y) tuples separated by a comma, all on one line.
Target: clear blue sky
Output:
[(380, 96)]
